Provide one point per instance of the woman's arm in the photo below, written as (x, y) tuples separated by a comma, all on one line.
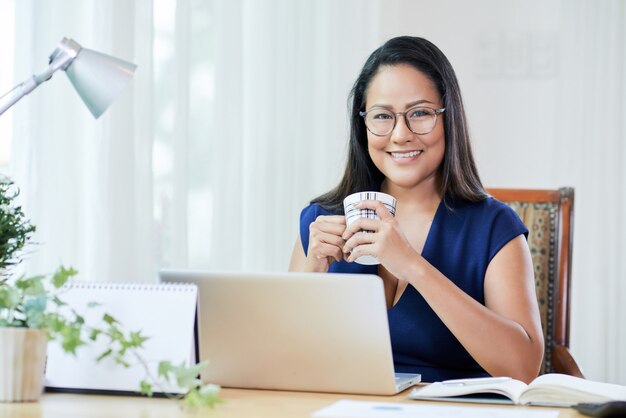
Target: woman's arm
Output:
[(297, 256), (504, 336)]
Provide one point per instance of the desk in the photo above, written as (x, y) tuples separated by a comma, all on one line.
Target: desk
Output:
[(240, 403)]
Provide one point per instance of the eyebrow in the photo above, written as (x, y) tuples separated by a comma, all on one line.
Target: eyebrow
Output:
[(406, 106)]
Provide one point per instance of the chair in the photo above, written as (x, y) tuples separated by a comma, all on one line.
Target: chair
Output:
[(548, 216)]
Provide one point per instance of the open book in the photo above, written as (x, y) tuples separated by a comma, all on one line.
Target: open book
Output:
[(549, 389)]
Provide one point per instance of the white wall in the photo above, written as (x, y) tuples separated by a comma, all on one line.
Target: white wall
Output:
[(506, 58)]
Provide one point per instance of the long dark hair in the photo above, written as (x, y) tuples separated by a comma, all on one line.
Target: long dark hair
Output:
[(459, 177)]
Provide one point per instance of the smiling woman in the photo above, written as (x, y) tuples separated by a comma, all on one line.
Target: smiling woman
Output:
[(454, 262)]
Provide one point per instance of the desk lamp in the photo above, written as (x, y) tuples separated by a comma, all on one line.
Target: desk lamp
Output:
[(98, 78)]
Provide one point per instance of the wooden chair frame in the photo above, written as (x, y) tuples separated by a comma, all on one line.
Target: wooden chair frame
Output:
[(561, 358)]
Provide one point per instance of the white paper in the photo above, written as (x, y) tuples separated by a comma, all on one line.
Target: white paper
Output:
[(362, 409), (163, 312)]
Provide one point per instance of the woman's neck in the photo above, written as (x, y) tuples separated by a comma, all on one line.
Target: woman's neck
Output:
[(423, 196)]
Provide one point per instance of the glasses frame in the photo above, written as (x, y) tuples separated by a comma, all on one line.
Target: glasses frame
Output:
[(395, 119)]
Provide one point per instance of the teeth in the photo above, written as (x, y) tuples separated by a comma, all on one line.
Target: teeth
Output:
[(405, 154)]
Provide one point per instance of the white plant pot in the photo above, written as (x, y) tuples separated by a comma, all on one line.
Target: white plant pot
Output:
[(22, 363)]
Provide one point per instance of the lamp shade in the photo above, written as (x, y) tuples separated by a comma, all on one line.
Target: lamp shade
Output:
[(98, 78)]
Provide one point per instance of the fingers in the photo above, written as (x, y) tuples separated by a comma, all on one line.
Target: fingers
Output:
[(360, 225), (326, 245), (366, 236), (381, 210), (359, 243), (366, 249), (325, 239), (334, 219), (328, 229)]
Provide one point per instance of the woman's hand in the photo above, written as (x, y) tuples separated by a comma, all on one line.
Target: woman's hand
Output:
[(325, 242), (382, 239)]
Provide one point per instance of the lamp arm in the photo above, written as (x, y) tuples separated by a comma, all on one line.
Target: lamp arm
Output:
[(60, 61)]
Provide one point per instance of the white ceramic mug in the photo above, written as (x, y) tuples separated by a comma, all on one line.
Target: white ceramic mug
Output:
[(352, 214)]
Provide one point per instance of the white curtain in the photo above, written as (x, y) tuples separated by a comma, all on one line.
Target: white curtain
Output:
[(591, 155), (86, 184), (283, 70), (235, 119)]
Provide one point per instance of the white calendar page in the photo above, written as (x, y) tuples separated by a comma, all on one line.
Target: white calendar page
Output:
[(163, 312)]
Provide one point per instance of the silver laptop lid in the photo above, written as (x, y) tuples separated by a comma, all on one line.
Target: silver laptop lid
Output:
[(293, 331)]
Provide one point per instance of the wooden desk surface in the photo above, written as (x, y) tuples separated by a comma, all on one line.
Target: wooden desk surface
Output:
[(240, 403)]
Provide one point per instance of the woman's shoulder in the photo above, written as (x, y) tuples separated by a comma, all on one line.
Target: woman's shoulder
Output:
[(487, 215), (489, 222), (312, 211), (488, 207)]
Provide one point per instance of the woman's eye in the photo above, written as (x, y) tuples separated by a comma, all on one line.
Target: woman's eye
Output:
[(382, 116), (419, 113)]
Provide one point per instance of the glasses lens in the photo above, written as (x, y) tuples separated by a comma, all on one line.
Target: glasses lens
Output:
[(380, 121), (421, 119)]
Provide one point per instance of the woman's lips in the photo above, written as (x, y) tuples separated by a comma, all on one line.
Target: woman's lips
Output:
[(404, 155)]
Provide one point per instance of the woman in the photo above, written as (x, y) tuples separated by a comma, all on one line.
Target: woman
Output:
[(455, 263)]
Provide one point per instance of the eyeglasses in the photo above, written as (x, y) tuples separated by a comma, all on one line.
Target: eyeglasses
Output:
[(420, 120)]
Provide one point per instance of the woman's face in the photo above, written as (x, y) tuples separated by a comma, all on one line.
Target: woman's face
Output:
[(405, 158)]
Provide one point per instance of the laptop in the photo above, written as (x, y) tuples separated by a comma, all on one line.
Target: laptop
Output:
[(317, 332)]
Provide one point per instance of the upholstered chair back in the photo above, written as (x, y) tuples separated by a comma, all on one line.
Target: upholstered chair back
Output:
[(548, 215)]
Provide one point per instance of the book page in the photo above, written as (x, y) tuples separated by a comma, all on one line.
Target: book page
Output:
[(565, 390), (164, 313), (510, 388)]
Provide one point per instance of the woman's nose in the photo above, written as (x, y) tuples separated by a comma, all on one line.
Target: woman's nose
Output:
[(401, 132)]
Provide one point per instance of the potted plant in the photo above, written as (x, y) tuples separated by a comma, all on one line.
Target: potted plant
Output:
[(32, 312)]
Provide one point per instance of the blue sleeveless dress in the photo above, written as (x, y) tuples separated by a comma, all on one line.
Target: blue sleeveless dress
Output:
[(462, 240)]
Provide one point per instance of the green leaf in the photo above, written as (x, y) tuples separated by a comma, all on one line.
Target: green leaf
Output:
[(109, 319), (187, 376), (165, 368), (35, 305), (9, 298), (62, 275), (32, 286), (55, 323), (57, 301), (115, 334), (35, 320), (93, 335), (136, 339), (34, 309), (107, 353), (146, 388), (205, 396), (209, 389), (70, 338), (119, 359)]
